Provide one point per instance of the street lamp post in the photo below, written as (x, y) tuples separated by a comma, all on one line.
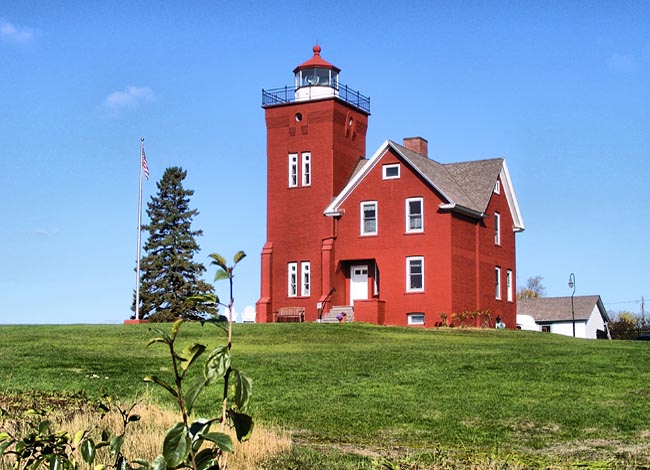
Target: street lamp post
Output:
[(572, 285)]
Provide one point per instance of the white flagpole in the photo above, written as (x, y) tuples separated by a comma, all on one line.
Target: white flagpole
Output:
[(137, 268)]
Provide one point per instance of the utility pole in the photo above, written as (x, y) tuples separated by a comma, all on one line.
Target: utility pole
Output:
[(643, 312)]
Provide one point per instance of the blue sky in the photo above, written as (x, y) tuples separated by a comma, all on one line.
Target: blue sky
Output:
[(560, 89)]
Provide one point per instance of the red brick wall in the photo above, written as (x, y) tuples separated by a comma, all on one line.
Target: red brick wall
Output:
[(475, 284)]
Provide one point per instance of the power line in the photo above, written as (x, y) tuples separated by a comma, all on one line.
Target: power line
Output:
[(623, 302)]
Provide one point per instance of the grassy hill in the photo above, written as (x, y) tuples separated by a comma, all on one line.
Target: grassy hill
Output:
[(515, 397)]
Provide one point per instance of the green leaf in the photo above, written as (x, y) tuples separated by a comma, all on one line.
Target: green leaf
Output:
[(4, 436), (240, 255), (159, 463), (176, 327), (101, 466), (203, 299), (78, 437), (221, 275), (5, 444), (219, 261), (158, 381), (43, 426), (243, 387), (122, 464), (161, 333), (156, 340), (207, 459), (176, 446), (191, 353), (217, 364), (88, 451), (116, 445), (55, 463), (223, 441), (243, 425), (200, 426), (193, 393)]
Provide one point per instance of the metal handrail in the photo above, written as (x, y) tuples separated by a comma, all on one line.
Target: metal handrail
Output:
[(287, 94)]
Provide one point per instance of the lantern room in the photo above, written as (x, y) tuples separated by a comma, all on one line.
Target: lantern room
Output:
[(316, 78)]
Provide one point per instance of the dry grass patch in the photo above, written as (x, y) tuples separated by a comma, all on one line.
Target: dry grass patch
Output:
[(144, 437)]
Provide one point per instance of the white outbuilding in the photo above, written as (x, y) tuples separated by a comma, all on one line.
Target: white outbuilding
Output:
[(585, 315)]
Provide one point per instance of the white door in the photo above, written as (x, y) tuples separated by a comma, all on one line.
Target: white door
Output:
[(358, 283)]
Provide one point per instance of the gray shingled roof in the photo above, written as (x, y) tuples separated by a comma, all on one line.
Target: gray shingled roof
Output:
[(553, 309), (477, 178), (467, 184)]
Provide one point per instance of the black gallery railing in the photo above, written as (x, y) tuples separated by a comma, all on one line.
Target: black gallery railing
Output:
[(288, 95)]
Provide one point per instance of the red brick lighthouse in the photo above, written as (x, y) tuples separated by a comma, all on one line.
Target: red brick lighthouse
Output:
[(316, 136)]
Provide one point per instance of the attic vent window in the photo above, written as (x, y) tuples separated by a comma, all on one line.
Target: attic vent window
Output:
[(497, 187), (391, 172)]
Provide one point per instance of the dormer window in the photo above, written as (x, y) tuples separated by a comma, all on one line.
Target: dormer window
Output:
[(390, 172)]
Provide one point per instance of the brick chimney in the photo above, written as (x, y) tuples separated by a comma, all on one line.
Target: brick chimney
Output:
[(418, 145)]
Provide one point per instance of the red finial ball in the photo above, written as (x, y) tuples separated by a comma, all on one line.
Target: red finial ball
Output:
[(316, 49)]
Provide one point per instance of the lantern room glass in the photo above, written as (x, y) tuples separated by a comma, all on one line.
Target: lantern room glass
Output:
[(317, 76)]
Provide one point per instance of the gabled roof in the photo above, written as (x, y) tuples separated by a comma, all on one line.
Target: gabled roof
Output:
[(466, 187), (556, 309)]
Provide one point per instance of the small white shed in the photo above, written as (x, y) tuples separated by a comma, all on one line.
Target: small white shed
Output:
[(557, 315)]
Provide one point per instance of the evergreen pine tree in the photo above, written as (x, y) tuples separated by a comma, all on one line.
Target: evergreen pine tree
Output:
[(168, 273)]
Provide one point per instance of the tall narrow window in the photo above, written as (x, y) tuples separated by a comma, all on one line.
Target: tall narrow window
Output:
[(509, 292), (293, 170), (305, 273), (414, 215), (369, 218), (497, 228), (415, 274), (306, 169), (292, 279), (497, 275), (497, 187)]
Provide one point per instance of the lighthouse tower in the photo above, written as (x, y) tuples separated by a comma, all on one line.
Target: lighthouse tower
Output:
[(316, 136)]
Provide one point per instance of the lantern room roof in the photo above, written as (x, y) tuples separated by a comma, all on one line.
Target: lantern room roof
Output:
[(316, 61)]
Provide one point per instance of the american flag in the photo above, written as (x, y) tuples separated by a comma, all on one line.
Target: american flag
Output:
[(145, 167)]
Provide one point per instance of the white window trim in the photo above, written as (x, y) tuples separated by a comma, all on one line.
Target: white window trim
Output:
[(409, 274), (292, 279), (293, 170), (415, 318), (306, 168), (497, 276), (497, 187), (305, 276), (384, 169), (497, 228), (375, 283), (509, 291), (363, 220), (408, 215)]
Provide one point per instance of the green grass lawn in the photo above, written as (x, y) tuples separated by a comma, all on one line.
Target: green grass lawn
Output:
[(515, 396)]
